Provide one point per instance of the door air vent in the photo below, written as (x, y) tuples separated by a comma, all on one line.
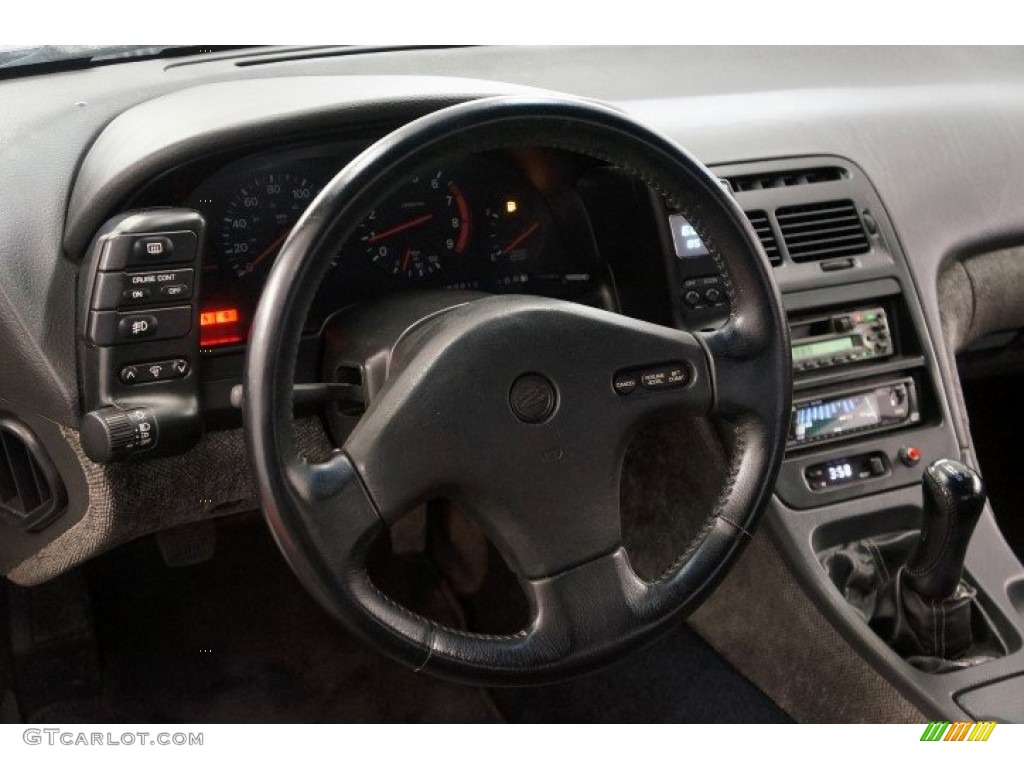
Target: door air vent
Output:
[(765, 234), (822, 230), (773, 180), (32, 493)]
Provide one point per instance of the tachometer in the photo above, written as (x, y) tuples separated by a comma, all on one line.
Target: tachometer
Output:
[(257, 220), (411, 234)]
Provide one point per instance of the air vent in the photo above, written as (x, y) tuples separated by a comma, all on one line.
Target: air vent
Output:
[(753, 181), (822, 230), (765, 234), (31, 491)]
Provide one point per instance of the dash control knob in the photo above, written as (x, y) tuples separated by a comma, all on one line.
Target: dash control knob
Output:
[(112, 433)]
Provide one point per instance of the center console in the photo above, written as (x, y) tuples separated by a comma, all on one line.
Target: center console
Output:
[(870, 420)]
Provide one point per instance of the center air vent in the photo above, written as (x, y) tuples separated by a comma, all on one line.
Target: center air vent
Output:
[(31, 491), (765, 234), (822, 230), (775, 179)]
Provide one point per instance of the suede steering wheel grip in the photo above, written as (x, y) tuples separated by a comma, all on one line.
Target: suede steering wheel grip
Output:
[(547, 492)]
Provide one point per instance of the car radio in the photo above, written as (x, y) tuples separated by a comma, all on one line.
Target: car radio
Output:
[(860, 410), (824, 341)]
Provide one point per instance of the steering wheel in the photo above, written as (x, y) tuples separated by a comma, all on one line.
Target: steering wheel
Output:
[(521, 408)]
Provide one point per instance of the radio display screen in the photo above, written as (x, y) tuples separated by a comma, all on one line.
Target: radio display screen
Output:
[(824, 418), (821, 348)]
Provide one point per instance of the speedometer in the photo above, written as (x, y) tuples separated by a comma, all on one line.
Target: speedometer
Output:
[(258, 218)]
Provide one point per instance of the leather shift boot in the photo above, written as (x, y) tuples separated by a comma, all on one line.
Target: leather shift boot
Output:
[(933, 635)]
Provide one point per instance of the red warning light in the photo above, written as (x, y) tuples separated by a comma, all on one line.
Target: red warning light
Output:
[(218, 317), (219, 327)]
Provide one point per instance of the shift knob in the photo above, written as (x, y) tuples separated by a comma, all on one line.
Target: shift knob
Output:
[(954, 497)]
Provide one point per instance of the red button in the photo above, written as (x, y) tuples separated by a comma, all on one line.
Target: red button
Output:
[(910, 455)]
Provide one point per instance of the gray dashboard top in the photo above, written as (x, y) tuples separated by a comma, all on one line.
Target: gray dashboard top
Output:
[(940, 132)]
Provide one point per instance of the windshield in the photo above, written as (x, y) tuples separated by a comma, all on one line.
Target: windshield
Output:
[(34, 57)]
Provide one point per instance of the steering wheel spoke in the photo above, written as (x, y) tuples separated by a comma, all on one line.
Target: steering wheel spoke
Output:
[(334, 508)]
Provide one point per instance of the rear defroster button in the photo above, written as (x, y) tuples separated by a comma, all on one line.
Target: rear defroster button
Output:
[(153, 248)]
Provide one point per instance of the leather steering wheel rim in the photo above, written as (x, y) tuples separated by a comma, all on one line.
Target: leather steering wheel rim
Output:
[(587, 604)]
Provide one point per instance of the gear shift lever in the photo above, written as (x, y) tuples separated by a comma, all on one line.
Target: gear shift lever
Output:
[(954, 497), (933, 605), (909, 587)]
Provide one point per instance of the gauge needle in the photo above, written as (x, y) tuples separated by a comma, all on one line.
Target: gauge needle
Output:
[(405, 259), (518, 240), (272, 246), (401, 227)]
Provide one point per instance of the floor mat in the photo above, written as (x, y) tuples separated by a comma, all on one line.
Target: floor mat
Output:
[(678, 679), (238, 640)]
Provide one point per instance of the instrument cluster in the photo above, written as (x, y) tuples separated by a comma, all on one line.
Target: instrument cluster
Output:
[(491, 222)]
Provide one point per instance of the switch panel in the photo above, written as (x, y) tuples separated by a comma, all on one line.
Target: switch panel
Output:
[(139, 334), (130, 289)]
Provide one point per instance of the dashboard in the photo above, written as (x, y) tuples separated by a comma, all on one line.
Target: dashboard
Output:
[(920, 143), (491, 222)]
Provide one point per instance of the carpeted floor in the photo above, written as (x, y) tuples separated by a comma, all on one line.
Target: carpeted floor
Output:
[(237, 639)]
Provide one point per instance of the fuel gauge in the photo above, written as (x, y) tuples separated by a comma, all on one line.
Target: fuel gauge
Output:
[(515, 234)]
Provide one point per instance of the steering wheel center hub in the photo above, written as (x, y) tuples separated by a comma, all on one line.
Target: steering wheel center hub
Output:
[(533, 398)]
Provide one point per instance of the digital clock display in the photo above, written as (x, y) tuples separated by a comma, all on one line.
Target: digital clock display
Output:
[(687, 242), (849, 469), (838, 473)]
